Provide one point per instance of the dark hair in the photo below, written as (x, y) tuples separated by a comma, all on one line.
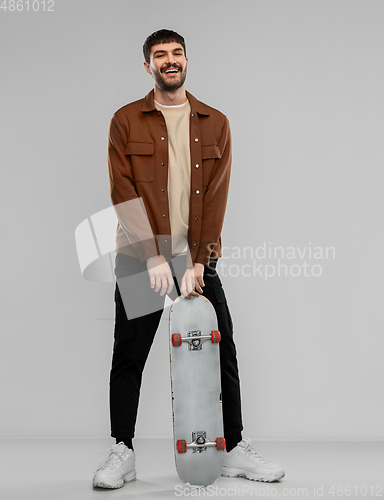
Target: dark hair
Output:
[(161, 36)]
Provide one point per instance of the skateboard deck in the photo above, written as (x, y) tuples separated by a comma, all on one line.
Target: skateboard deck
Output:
[(196, 388)]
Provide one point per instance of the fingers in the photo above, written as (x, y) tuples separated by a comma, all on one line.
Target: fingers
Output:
[(161, 278), (183, 288), (198, 270), (166, 281), (170, 283), (158, 282), (199, 284), (161, 283), (152, 278), (188, 284)]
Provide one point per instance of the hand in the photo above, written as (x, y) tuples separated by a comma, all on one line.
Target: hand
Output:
[(193, 279), (160, 274)]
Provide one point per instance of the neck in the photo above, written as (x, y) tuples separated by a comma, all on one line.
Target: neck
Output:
[(170, 98)]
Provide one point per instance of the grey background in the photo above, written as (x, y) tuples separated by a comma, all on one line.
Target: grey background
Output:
[(301, 83)]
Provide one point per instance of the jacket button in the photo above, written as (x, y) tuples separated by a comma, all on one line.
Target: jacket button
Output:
[(163, 164), (164, 216), (163, 190), (165, 241), (193, 114), (197, 192), (162, 138), (195, 244), (159, 113), (196, 218), (197, 165), (196, 140)]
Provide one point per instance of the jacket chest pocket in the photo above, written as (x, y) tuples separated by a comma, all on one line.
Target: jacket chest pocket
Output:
[(208, 155), (142, 161)]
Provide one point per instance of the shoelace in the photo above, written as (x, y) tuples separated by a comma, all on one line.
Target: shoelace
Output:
[(253, 452), (114, 461)]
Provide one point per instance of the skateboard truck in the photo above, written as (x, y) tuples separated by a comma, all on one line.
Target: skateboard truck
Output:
[(195, 339), (199, 443)]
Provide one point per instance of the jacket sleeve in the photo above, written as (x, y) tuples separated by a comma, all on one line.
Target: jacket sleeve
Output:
[(129, 207), (215, 199)]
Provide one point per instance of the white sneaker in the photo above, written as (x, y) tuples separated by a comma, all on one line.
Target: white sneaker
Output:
[(244, 461), (117, 470)]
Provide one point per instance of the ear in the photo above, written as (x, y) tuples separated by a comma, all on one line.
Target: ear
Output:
[(146, 66)]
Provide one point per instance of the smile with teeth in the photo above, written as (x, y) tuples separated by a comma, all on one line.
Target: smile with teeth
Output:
[(171, 70)]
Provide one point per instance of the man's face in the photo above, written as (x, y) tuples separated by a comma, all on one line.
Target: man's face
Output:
[(168, 65)]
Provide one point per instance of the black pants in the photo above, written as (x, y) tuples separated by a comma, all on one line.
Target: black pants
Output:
[(133, 339)]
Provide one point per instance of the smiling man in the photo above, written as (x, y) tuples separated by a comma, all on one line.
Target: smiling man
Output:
[(169, 165), (169, 73)]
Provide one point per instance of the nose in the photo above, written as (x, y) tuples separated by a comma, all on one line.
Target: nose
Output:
[(171, 58)]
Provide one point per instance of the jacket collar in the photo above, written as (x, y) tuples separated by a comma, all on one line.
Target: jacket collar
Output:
[(196, 106)]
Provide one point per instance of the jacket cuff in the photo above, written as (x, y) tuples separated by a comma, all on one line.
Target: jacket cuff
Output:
[(203, 256), (146, 249)]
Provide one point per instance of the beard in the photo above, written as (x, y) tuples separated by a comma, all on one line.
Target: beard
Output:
[(169, 84)]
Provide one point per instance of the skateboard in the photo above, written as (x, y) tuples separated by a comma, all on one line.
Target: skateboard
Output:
[(196, 389)]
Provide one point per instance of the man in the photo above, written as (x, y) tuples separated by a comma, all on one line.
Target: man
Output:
[(169, 165)]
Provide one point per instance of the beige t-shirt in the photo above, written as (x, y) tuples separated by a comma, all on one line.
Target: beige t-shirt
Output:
[(179, 172)]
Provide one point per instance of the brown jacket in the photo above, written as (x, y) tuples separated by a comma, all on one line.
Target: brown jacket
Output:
[(138, 168)]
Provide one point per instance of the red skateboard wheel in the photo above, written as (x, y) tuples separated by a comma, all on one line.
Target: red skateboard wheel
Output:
[(215, 336), (220, 443), (176, 339), (182, 445)]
